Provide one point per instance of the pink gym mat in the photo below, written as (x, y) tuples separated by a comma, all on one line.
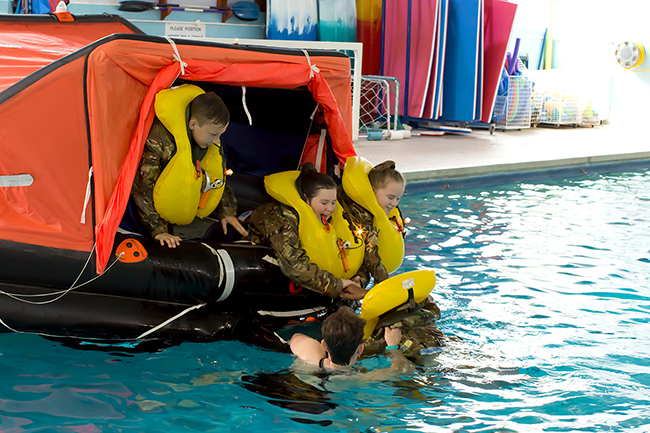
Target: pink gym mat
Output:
[(499, 16)]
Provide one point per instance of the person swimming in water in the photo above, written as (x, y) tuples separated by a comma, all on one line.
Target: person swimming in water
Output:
[(342, 342)]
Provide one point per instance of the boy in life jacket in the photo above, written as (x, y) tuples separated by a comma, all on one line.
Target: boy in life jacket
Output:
[(206, 117), (276, 225)]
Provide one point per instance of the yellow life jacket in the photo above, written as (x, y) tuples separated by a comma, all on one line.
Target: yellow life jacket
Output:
[(320, 243), (177, 192), (389, 227), (392, 293)]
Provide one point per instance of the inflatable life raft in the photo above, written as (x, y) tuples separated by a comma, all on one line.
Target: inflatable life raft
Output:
[(198, 291)]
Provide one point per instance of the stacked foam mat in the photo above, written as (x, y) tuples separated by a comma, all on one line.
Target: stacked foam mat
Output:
[(310, 20), (447, 55)]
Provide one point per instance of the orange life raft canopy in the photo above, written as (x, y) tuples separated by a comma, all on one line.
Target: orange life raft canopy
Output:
[(74, 117)]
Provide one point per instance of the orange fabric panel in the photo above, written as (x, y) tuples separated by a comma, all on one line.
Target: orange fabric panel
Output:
[(112, 121), (43, 128), (43, 133), (311, 154), (143, 59), (26, 47), (152, 64), (106, 228)]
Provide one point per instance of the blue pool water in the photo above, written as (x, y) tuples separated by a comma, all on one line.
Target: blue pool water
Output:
[(548, 285)]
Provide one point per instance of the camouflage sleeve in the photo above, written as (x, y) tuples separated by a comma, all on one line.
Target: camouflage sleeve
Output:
[(158, 150), (294, 262), (371, 261), (228, 204), (372, 264), (363, 274)]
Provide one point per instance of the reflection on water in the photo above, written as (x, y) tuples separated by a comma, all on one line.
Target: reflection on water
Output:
[(547, 284)]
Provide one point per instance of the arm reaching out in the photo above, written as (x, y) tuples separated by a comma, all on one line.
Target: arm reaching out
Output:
[(393, 337)]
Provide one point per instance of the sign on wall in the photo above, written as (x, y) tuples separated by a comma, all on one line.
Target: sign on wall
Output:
[(188, 30)]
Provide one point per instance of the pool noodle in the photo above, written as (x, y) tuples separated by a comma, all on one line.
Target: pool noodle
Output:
[(514, 59), (541, 51)]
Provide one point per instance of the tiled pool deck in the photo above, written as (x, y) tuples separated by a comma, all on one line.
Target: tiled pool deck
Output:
[(450, 156)]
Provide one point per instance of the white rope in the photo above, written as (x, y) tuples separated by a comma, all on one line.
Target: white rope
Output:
[(319, 152), (87, 199), (243, 101), (313, 114), (64, 292), (42, 334), (281, 339), (177, 55), (12, 329), (61, 293), (304, 146), (312, 68), (168, 321)]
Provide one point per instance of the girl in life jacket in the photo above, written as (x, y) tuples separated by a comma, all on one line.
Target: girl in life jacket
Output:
[(371, 195), (306, 208)]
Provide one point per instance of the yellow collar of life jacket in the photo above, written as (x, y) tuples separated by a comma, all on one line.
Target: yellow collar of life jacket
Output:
[(178, 195), (389, 227), (326, 245), (393, 293)]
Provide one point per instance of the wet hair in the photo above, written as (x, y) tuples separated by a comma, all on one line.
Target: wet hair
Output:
[(343, 333), (311, 181), (381, 174), (209, 107)]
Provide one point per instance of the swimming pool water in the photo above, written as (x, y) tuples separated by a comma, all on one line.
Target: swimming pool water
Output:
[(547, 283)]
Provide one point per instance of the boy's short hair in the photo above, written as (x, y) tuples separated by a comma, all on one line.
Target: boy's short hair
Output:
[(343, 333), (209, 107)]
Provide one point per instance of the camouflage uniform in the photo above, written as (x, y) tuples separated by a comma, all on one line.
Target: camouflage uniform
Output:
[(419, 331), (419, 334), (158, 151), (363, 219), (276, 225)]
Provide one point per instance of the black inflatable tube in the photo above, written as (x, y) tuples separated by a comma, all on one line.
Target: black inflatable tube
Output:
[(237, 283)]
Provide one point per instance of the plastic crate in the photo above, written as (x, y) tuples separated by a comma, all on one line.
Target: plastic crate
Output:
[(560, 108), (513, 110)]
